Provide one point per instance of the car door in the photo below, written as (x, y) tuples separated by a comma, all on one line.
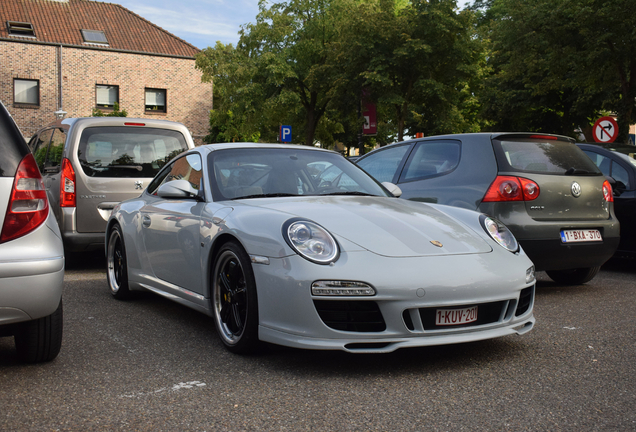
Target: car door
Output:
[(171, 229)]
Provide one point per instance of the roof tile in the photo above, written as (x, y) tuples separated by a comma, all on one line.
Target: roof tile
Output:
[(60, 22)]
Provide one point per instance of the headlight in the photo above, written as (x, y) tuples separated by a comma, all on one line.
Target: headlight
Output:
[(499, 233), (311, 241)]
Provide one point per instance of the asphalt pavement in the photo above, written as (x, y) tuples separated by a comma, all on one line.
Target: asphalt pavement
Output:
[(149, 364)]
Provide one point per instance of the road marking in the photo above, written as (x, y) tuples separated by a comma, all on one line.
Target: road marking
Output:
[(175, 387)]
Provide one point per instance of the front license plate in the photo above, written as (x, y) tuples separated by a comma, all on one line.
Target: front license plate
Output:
[(450, 317), (572, 236)]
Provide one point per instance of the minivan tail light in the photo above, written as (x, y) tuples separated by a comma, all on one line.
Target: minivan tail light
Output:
[(67, 185), (28, 206), (510, 188), (134, 124), (607, 191)]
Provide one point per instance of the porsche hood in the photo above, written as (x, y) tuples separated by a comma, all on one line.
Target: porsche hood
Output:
[(388, 227)]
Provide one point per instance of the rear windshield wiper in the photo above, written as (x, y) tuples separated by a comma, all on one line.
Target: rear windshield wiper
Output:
[(269, 195), (135, 167), (576, 171)]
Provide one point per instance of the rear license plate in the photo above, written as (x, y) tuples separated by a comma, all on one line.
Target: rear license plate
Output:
[(572, 236), (450, 317)]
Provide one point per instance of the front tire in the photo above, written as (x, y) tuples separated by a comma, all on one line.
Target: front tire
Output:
[(40, 340), (574, 276), (117, 271), (235, 306)]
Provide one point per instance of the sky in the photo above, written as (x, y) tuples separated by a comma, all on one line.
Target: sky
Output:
[(200, 22)]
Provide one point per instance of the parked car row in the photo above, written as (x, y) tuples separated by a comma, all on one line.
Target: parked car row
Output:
[(298, 246)]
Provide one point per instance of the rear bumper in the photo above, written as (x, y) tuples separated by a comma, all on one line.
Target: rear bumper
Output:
[(541, 239), (75, 241), (31, 275), (551, 254), (79, 242)]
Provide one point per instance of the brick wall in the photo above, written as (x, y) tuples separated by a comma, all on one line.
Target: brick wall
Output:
[(187, 99)]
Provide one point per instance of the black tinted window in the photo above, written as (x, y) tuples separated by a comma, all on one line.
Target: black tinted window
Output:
[(127, 151), (543, 157)]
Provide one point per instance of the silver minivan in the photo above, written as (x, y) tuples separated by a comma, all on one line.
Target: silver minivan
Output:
[(91, 164)]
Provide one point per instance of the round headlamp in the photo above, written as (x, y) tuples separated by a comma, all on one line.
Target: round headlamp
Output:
[(499, 233), (311, 241)]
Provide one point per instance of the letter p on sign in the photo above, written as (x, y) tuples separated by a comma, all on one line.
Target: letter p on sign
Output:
[(285, 134)]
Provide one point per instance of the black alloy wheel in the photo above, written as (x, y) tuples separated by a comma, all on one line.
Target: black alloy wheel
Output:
[(117, 271), (234, 299)]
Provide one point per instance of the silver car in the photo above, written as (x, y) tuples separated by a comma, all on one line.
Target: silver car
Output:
[(91, 164), (297, 246), (31, 253)]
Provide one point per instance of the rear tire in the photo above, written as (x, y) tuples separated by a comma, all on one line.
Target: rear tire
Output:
[(40, 340), (574, 276), (117, 266), (234, 302)]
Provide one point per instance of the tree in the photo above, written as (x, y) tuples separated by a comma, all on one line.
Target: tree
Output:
[(557, 64)]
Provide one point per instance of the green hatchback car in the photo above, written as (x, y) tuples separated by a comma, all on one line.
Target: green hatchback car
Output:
[(552, 197)]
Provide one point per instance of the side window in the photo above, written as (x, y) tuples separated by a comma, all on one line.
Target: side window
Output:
[(185, 168), (54, 158), (384, 164), (39, 146), (432, 159), (602, 162), (620, 174)]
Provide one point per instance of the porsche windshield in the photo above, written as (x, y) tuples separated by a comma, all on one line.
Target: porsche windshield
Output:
[(274, 172)]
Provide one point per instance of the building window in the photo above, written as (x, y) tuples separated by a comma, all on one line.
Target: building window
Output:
[(106, 96), (94, 36), (20, 29), (155, 100), (26, 92)]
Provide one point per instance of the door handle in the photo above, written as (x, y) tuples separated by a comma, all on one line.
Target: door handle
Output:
[(146, 221)]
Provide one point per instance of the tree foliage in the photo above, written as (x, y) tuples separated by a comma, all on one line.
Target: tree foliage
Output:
[(307, 63), (558, 64)]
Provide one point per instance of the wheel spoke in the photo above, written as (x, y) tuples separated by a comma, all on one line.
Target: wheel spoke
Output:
[(237, 317)]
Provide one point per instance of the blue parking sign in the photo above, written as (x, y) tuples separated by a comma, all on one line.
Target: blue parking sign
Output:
[(285, 134)]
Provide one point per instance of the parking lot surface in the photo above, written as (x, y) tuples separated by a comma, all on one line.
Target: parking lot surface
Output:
[(149, 364)]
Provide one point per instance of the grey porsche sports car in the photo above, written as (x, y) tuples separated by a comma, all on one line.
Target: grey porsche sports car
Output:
[(297, 246)]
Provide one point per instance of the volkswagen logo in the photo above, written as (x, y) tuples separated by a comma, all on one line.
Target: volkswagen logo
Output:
[(140, 185), (576, 189)]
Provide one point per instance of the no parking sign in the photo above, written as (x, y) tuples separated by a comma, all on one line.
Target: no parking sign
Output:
[(605, 130)]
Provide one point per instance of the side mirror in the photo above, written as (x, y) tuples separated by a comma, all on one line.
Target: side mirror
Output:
[(179, 189), (393, 188)]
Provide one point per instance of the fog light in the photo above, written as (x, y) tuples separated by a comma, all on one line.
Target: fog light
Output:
[(341, 288), (530, 275)]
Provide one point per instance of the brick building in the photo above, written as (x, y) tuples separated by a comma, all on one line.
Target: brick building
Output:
[(79, 55)]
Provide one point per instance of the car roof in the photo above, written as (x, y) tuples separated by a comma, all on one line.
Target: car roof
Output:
[(482, 135), (235, 145), (620, 148), (67, 123)]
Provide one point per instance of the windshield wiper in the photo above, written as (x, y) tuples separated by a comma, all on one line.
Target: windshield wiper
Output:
[(269, 195), (135, 167), (576, 171), (348, 193)]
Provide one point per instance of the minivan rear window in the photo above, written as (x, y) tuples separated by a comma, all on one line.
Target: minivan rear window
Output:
[(543, 157), (120, 151)]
